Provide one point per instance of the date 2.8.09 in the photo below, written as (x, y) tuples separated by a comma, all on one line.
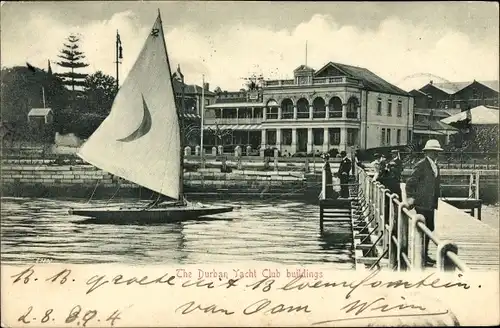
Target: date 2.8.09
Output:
[(74, 317)]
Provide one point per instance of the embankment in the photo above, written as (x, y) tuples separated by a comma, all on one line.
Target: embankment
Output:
[(87, 181)]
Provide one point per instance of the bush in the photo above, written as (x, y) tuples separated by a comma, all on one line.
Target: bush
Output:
[(81, 124)]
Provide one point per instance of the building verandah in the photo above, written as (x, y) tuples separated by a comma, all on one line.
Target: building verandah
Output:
[(309, 140), (315, 108)]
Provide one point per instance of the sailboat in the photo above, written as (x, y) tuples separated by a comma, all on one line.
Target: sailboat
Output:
[(140, 141)]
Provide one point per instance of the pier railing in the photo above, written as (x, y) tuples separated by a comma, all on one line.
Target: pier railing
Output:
[(402, 233)]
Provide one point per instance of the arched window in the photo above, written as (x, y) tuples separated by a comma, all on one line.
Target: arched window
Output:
[(352, 107), (319, 108), (287, 109), (302, 108), (335, 107)]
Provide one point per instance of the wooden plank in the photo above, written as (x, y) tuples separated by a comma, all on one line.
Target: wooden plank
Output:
[(478, 244)]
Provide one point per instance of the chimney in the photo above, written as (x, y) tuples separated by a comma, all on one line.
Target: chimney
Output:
[(431, 82), (206, 86)]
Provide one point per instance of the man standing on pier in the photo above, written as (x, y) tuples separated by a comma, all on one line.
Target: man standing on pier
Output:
[(343, 173), (423, 188), (394, 171)]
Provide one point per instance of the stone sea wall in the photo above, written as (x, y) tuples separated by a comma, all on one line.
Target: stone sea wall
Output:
[(84, 181)]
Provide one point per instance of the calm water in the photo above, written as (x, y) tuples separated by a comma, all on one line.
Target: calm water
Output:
[(282, 232)]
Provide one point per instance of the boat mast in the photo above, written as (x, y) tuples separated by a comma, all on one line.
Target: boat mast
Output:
[(179, 116)]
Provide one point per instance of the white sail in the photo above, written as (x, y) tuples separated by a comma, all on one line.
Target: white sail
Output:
[(140, 139)]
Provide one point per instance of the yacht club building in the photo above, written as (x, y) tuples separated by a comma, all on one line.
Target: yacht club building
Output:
[(338, 106)]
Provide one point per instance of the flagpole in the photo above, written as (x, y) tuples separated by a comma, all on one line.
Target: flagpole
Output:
[(43, 95), (202, 120), (117, 69)]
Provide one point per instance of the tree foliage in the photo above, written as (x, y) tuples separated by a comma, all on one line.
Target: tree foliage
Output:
[(72, 58), (21, 90), (100, 91)]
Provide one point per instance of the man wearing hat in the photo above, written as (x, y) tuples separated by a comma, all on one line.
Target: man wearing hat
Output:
[(343, 173), (394, 171), (423, 188), (380, 168), (328, 177)]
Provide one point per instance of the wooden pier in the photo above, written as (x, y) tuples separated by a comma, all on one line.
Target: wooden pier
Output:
[(396, 239)]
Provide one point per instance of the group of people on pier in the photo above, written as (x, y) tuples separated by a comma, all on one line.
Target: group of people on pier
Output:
[(422, 187)]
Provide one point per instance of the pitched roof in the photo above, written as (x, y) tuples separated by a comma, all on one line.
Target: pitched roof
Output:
[(189, 89), (370, 80), (39, 111), (451, 87), (435, 112), (303, 68), (415, 91), (454, 87), (434, 126), (479, 115), (490, 84)]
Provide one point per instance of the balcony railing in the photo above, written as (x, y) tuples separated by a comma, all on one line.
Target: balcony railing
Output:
[(255, 120), (317, 80), (316, 115)]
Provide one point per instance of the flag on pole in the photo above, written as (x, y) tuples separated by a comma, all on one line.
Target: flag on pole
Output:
[(119, 43)]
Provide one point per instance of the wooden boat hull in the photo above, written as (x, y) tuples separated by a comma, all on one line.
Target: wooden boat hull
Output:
[(146, 215)]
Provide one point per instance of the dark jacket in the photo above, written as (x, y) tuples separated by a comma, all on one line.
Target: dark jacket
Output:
[(423, 186), (395, 169), (329, 180), (345, 166)]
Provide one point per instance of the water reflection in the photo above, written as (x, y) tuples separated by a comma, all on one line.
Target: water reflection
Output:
[(276, 232)]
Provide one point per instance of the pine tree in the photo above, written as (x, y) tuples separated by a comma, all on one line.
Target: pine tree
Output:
[(72, 58)]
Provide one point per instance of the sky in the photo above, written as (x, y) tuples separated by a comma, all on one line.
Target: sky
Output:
[(405, 43)]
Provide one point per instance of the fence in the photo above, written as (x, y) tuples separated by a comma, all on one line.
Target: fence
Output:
[(402, 233), (457, 160)]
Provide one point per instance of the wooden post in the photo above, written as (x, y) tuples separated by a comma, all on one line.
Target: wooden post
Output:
[(239, 164), (392, 247), (418, 243), (321, 212), (443, 261), (477, 184), (383, 218), (276, 160), (323, 184), (402, 237), (471, 184)]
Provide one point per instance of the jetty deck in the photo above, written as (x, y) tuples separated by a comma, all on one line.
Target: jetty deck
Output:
[(387, 234), (478, 243)]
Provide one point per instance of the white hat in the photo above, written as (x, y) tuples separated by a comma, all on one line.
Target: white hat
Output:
[(432, 144)]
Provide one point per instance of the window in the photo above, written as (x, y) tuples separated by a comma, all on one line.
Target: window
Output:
[(389, 107), (389, 141), (382, 139), (398, 136), (317, 137), (400, 108), (457, 106), (379, 106), (334, 136), (286, 137), (271, 137), (352, 137), (272, 113), (409, 136)]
